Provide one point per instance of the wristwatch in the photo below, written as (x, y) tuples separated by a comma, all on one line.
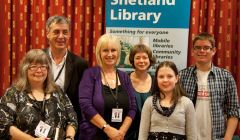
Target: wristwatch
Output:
[(104, 126)]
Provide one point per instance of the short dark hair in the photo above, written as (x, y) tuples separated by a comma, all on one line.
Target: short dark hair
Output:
[(204, 36), (141, 48), (57, 20)]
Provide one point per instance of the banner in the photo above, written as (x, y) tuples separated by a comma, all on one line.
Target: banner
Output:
[(163, 25)]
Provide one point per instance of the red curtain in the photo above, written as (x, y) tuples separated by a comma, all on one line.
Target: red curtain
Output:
[(22, 27), (221, 18)]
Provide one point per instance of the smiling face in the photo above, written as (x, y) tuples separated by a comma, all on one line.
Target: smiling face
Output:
[(141, 61), (37, 73), (109, 54), (166, 79), (203, 52), (58, 35)]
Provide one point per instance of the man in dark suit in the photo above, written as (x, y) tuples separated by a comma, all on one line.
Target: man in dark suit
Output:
[(67, 67)]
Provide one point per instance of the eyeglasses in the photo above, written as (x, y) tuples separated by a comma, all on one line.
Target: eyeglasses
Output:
[(205, 48), (35, 67)]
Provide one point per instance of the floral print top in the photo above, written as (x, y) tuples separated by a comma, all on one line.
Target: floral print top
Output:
[(18, 109)]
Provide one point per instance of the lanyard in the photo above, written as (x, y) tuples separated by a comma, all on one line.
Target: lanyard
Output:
[(60, 71), (115, 96), (43, 104)]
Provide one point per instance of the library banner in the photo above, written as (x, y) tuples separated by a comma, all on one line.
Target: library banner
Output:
[(163, 25)]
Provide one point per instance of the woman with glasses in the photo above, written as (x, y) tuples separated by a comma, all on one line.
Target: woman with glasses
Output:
[(34, 107)]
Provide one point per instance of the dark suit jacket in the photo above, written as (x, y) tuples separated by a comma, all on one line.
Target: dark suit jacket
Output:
[(75, 67)]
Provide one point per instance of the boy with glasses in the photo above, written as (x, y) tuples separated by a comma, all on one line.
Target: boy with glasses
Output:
[(213, 91)]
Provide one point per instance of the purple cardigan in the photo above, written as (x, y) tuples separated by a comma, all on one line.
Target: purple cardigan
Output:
[(92, 103)]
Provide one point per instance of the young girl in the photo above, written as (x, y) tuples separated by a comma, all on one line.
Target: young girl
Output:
[(167, 114)]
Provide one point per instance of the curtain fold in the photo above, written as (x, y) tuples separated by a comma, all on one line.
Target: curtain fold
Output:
[(22, 28)]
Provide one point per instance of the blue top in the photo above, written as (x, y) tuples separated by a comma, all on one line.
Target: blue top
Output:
[(91, 99), (140, 99)]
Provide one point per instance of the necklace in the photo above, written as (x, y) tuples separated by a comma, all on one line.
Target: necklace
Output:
[(115, 96), (43, 102), (165, 111)]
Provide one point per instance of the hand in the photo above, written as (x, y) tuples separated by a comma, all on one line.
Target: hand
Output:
[(122, 133), (227, 138), (113, 133)]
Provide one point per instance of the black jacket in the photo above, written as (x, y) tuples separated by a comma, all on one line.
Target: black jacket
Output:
[(75, 67)]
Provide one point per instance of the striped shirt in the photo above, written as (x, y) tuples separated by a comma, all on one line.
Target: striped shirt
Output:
[(223, 96)]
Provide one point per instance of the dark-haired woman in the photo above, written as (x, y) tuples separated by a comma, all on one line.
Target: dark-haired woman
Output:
[(141, 59), (168, 114)]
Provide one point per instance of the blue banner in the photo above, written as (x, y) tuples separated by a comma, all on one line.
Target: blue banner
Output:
[(148, 13)]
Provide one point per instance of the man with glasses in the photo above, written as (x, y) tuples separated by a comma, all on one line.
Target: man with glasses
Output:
[(67, 67), (213, 92)]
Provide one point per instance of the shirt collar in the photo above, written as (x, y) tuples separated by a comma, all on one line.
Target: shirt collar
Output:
[(212, 70), (64, 57)]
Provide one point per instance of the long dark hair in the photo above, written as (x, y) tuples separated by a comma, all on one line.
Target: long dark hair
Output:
[(178, 91)]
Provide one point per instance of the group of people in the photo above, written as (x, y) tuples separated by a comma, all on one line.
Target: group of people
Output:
[(58, 97)]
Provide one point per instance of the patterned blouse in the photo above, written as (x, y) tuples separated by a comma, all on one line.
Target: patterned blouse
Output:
[(18, 109)]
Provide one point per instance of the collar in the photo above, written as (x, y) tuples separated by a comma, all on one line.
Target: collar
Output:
[(63, 60), (213, 70)]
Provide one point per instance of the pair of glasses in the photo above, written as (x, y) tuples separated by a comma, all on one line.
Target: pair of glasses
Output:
[(205, 48), (35, 67)]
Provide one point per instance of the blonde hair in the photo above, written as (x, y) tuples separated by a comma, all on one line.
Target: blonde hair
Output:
[(35, 56), (103, 41)]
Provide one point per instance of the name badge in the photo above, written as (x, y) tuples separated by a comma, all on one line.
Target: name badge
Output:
[(117, 114), (42, 129)]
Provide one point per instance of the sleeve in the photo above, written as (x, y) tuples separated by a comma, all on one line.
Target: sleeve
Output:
[(133, 106), (191, 130), (231, 102), (145, 122), (71, 114), (82, 66), (8, 106), (86, 92)]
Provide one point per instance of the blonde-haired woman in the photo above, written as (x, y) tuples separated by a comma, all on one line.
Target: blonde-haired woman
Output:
[(106, 95), (34, 107)]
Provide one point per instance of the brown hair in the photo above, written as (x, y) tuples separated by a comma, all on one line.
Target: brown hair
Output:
[(57, 20), (178, 91), (204, 36), (141, 48)]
